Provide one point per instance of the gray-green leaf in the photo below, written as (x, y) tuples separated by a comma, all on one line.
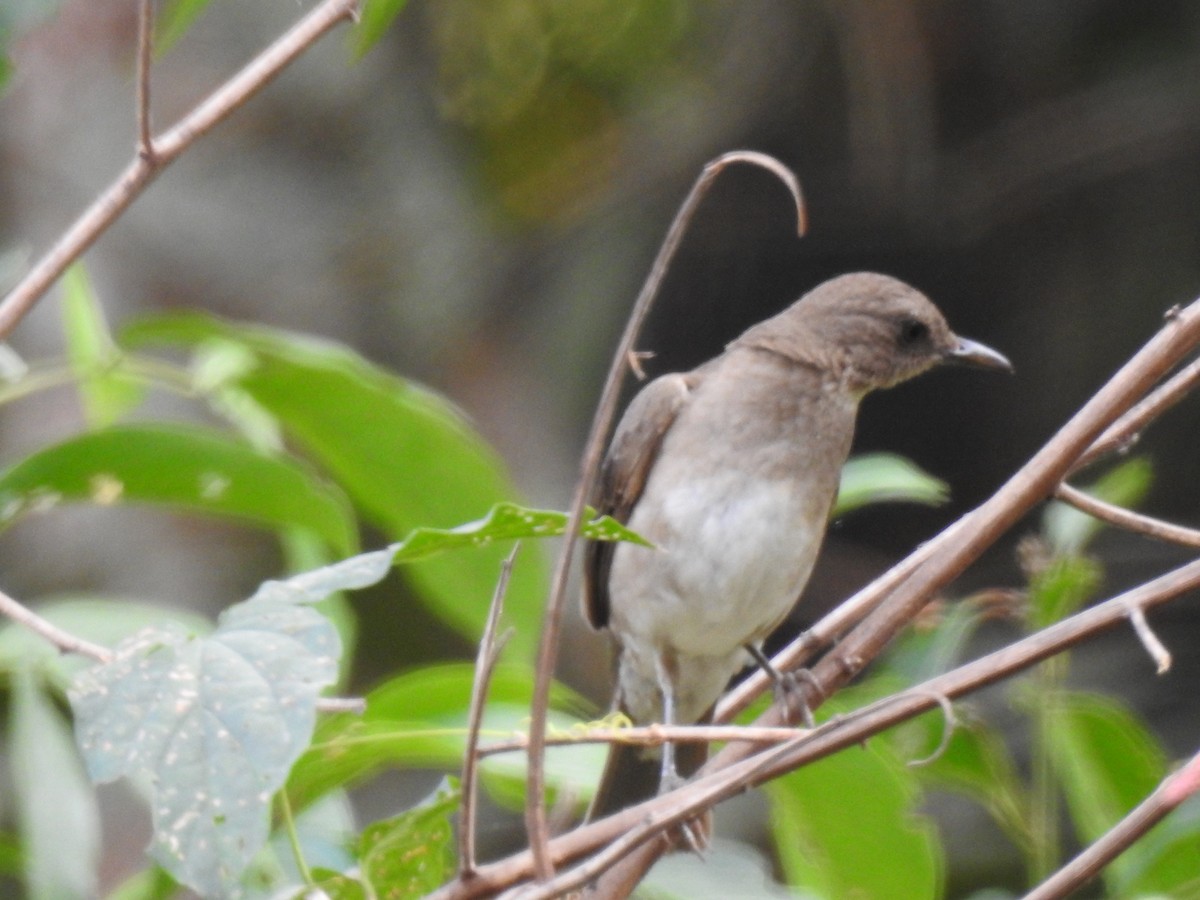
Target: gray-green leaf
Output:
[(215, 723)]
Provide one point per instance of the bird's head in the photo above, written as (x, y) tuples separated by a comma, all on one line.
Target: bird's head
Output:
[(868, 331)]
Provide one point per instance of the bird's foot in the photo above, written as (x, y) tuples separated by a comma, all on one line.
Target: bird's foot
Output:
[(789, 694)]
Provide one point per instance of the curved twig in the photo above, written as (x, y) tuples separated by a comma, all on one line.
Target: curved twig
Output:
[(535, 813), (1127, 518)]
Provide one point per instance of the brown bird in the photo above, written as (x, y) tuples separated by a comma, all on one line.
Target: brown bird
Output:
[(731, 471)]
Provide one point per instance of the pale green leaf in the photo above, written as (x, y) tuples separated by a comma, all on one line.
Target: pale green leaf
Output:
[(214, 723), (59, 820), (886, 478), (105, 392)]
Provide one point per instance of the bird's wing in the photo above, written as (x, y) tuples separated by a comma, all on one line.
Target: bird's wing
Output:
[(623, 475)]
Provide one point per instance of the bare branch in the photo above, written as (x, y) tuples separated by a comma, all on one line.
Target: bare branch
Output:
[(648, 736), (1173, 790), (145, 140), (1124, 431), (949, 725), (64, 641), (117, 197), (357, 705), (485, 665), (1127, 519), (1154, 647), (535, 813)]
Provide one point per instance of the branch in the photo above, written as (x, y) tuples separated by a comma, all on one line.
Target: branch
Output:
[(535, 812), (1125, 430), (1172, 791), (648, 736), (63, 640), (1127, 519), (485, 665), (129, 185), (145, 140)]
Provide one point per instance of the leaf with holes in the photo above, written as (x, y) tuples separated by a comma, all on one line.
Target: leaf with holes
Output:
[(214, 723)]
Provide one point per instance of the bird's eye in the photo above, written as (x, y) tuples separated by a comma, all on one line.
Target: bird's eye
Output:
[(912, 331)]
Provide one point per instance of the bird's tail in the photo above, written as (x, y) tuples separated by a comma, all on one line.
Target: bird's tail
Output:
[(632, 773)]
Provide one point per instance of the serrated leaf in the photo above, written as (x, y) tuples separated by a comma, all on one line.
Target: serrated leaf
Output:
[(874, 846), (57, 806), (410, 855), (105, 392), (183, 467), (886, 478), (214, 723), (373, 22), (406, 457), (1068, 530)]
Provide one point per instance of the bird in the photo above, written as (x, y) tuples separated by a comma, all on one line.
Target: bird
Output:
[(730, 472)]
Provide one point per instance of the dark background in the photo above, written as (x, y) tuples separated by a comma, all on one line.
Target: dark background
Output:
[(476, 203)]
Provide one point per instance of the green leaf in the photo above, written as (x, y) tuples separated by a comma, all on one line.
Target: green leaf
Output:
[(507, 522), (975, 762), (1163, 862), (1068, 530), (418, 719), (374, 20), (873, 847), (1107, 762), (213, 723), (149, 884), (105, 392), (60, 823), (886, 478), (176, 18), (407, 458), (411, 854), (185, 467), (1061, 588)]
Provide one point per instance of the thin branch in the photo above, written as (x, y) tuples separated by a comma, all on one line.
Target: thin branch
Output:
[(145, 139), (118, 196), (63, 640), (535, 812), (357, 705), (949, 726), (1127, 519), (647, 736), (1124, 431), (485, 665), (1155, 648), (1172, 791)]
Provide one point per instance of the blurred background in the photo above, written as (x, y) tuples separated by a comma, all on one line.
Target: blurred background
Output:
[(476, 202)]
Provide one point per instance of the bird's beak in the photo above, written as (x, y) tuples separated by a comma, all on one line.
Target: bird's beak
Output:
[(973, 353)]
